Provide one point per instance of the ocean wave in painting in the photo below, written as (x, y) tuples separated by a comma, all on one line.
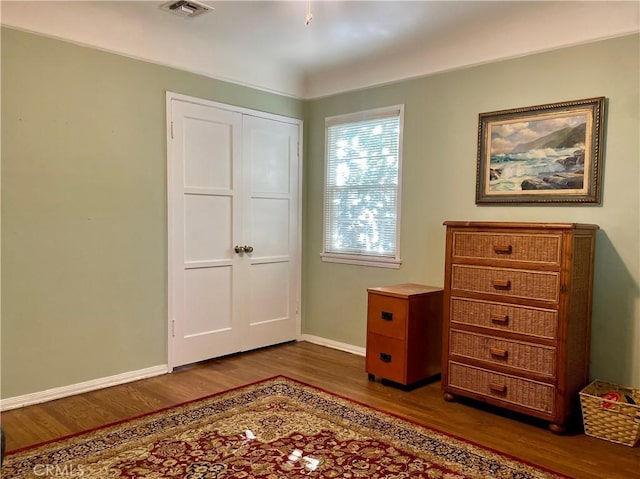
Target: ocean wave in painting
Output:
[(509, 171)]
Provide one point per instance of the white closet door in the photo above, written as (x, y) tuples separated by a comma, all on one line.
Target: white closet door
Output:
[(206, 176), (233, 207), (270, 167)]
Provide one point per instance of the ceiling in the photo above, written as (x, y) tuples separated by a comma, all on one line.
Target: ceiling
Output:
[(347, 45)]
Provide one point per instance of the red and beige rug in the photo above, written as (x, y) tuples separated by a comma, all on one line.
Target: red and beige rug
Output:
[(278, 428)]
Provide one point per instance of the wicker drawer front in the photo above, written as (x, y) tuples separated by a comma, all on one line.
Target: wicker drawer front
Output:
[(538, 285), (387, 316), (511, 389), (520, 355), (540, 248), (536, 322)]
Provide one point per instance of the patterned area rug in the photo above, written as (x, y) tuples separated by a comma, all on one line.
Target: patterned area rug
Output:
[(278, 428)]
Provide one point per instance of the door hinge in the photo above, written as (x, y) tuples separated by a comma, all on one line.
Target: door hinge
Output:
[(172, 130), (173, 328)]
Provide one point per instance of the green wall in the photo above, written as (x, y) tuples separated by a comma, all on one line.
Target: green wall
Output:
[(439, 168), (84, 245), (84, 228)]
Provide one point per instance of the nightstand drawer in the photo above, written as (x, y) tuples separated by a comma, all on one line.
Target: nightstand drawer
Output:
[(511, 389), (514, 354), (386, 357), (535, 322), (539, 248), (387, 316), (518, 283)]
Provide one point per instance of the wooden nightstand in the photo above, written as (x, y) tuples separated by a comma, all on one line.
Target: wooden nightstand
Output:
[(404, 332)]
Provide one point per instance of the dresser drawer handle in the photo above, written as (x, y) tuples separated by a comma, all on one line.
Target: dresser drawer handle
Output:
[(498, 388), (500, 353), (385, 358), (503, 249), (386, 316), (500, 319), (501, 284)]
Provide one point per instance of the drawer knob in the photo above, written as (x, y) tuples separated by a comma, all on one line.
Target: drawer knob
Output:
[(386, 316), (385, 358), (501, 283), (503, 249), (498, 388), (497, 352), (500, 319)]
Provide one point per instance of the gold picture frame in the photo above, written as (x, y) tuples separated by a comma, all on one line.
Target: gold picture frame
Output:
[(541, 154)]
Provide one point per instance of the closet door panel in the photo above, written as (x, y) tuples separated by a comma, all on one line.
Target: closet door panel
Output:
[(233, 216)]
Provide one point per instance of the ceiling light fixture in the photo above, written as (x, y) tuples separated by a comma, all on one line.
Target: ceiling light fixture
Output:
[(309, 17)]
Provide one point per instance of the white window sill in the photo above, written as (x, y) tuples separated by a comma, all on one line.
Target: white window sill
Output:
[(361, 260)]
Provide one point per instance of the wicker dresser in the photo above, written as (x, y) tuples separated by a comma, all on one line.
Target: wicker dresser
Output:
[(517, 313)]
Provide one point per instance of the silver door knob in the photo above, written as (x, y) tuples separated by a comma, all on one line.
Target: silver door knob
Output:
[(248, 249), (239, 249)]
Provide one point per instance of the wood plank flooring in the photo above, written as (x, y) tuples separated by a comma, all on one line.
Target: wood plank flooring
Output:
[(575, 455)]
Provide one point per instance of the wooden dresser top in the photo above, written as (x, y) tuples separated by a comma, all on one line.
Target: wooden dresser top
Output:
[(516, 224)]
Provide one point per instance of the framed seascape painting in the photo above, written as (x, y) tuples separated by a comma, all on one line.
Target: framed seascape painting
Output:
[(541, 154)]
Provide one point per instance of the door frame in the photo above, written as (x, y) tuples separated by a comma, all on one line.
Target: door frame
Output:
[(170, 97)]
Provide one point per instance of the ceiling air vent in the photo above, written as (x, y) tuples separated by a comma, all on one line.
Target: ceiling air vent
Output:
[(186, 8)]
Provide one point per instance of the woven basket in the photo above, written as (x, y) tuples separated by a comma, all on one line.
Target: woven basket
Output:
[(614, 421)]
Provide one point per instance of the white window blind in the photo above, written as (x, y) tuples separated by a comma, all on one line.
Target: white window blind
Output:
[(362, 184)]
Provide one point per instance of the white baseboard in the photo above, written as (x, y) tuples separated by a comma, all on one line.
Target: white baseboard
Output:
[(64, 391), (349, 348)]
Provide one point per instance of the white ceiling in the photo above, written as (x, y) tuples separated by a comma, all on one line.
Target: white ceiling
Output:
[(347, 45)]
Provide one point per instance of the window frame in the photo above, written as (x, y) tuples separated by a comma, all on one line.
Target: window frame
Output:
[(363, 259)]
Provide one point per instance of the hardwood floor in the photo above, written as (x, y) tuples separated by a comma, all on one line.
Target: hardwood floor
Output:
[(575, 455)]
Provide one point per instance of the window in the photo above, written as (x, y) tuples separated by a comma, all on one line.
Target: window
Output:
[(362, 188)]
